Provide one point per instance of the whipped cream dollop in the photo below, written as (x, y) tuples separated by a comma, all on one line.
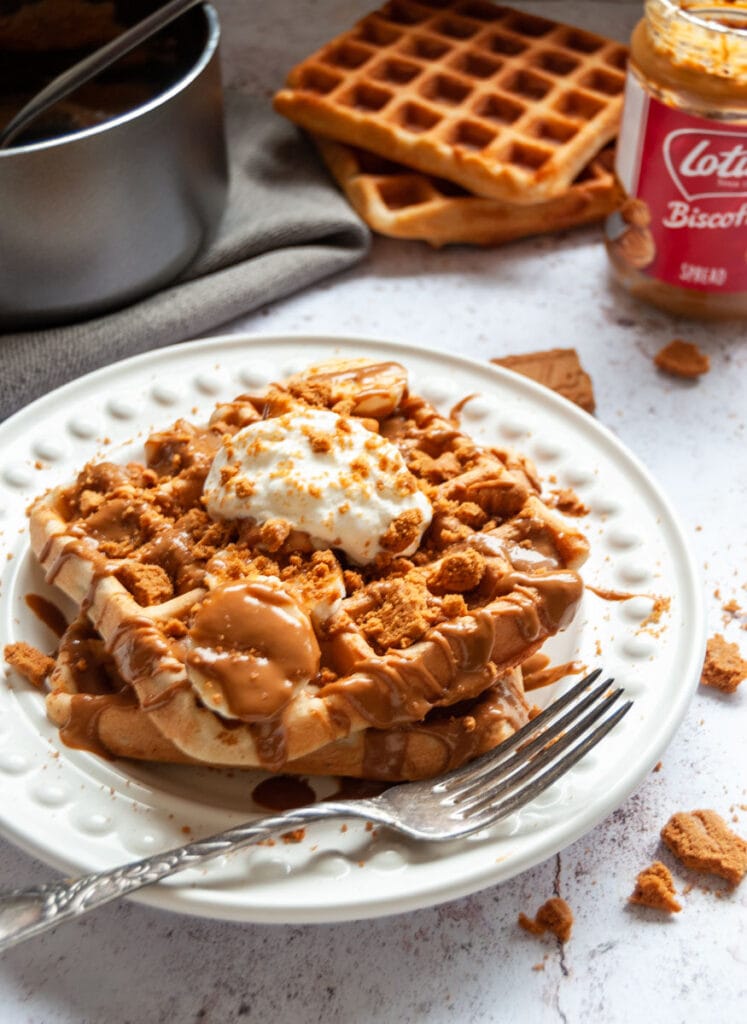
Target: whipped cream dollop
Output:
[(327, 475)]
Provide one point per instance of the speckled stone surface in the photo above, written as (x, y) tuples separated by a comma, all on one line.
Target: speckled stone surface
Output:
[(467, 960)]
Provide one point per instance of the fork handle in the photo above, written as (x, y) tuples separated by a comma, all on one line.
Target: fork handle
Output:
[(28, 912)]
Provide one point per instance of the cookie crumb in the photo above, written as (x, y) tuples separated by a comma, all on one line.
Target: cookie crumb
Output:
[(654, 887), (148, 584), (558, 369), (401, 618), (704, 842), (403, 531), (30, 662), (553, 916), (297, 835), (724, 668), (565, 500), (682, 359), (458, 572)]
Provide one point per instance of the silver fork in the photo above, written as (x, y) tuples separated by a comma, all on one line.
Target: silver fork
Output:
[(458, 804)]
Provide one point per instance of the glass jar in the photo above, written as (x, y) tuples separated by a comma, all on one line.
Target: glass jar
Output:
[(680, 240)]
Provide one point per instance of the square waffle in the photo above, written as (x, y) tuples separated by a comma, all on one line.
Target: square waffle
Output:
[(394, 668), (508, 105), (96, 710), (397, 201)]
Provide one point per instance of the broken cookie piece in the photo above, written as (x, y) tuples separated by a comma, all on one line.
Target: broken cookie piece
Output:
[(724, 667), (558, 369), (704, 842), (553, 916), (654, 887), (30, 662), (682, 359)]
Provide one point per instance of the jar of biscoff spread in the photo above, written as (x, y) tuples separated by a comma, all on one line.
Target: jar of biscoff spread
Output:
[(680, 240)]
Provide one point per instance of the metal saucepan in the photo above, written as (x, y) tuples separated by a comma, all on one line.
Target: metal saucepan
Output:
[(117, 205)]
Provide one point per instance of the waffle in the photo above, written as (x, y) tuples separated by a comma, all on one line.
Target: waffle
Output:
[(505, 104), (96, 710), (396, 201), (492, 578), (446, 739)]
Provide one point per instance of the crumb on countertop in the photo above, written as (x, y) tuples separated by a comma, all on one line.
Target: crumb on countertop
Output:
[(724, 668), (682, 359), (553, 916), (704, 842), (654, 887)]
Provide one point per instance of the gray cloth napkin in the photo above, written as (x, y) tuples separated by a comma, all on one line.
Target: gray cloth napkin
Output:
[(285, 226)]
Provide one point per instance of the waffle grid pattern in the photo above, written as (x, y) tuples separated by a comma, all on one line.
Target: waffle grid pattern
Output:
[(509, 105), (394, 200), (150, 657)]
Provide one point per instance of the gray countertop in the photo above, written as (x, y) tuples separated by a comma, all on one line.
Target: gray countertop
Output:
[(467, 960)]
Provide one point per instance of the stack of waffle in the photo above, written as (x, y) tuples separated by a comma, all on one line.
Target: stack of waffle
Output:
[(464, 121), (397, 669)]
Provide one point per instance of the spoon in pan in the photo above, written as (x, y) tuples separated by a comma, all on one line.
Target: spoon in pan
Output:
[(91, 65)]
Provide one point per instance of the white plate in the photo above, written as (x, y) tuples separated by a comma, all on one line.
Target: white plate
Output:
[(80, 813)]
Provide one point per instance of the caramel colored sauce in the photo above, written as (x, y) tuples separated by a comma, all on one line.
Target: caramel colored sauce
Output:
[(611, 595), (456, 410), (538, 672), (283, 793), (402, 687), (81, 730), (252, 645), (47, 612), (82, 654)]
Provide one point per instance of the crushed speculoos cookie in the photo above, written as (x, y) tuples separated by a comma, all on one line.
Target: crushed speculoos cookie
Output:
[(273, 534), (724, 667), (89, 501), (553, 916), (471, 515), (458, 572), (244, 488), (453, 606), (318, 441), (704, 842), (401, 617), (148, 584), (316, 393), (682, 359), (565, 500), (403, 532), (297, 835), (227, 473), (558, 369), (32, 664), (654, 888), (652, 624), (353, 581), (732, 610)]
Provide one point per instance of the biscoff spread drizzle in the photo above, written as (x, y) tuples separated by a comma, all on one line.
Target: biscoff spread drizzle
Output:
[(244, 619), (385, 751), (251, 648)]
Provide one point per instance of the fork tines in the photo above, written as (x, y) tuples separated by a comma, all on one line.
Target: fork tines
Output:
[(539, 753)]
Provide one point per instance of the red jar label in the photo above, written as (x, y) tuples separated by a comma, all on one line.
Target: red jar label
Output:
[(688, 177)]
